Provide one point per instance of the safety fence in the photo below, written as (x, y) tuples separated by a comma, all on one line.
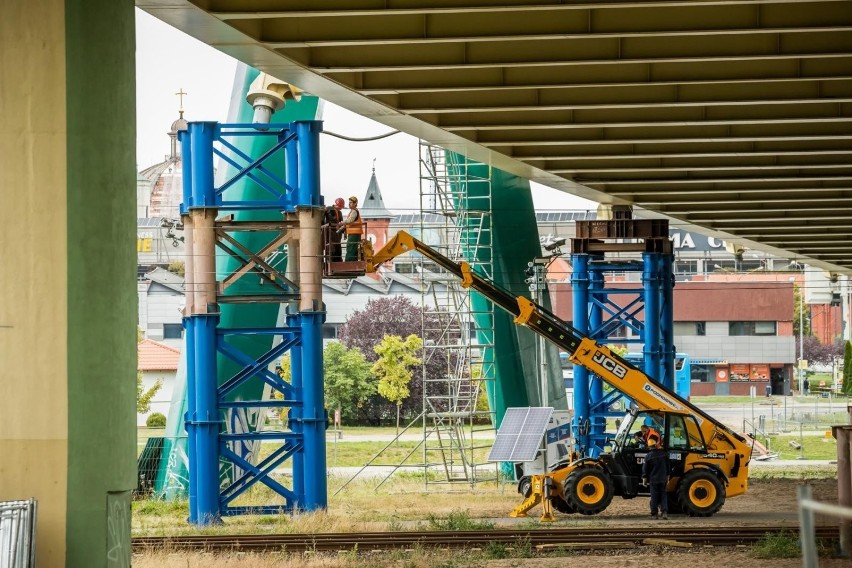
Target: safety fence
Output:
[(808, 508), (17, 534)]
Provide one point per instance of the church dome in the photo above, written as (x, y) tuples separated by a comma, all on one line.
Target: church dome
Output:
[(166, 178), (178, 125)]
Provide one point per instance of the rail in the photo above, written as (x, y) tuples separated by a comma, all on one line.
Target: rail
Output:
[(567, 538)]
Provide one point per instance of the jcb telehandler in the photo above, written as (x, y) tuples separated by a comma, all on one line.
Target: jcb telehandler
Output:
[(709, 461)]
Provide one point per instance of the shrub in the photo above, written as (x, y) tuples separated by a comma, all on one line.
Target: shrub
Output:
[(458, 521), (156, 420), (778, 545)]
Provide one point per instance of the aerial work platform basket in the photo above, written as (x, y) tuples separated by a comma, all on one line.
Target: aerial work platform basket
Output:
[(335, 254)]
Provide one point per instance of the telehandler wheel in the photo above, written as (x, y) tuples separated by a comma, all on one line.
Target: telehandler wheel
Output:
[(562, 506), (525, 487), (700, 493), (673, 503), (588, 490)]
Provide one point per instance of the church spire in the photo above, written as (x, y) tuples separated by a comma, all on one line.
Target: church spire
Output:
[(373, 206), (179, 124)]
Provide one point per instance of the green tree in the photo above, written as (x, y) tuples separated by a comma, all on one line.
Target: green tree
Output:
[(349, 382), (143, 397), (392, 367), (620, 350), (800, 314), (177, 267), (282, 369), (847, 368)]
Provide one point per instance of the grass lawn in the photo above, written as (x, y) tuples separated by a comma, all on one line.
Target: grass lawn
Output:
[(813, 447)]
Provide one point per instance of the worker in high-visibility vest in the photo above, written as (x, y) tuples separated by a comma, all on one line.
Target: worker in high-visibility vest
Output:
[(352, 226)]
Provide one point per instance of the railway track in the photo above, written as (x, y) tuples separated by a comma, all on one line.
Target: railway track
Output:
[(569, 538)]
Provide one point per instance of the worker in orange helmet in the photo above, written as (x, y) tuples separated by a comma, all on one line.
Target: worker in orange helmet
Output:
[(352, 226)]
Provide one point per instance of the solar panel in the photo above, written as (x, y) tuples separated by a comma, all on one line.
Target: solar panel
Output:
[(520, 434)]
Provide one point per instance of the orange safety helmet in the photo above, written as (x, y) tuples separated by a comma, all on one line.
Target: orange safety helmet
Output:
[(339, 203), (355, 199)]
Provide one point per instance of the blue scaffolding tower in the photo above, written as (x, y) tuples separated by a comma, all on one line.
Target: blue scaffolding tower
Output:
[(293, 212), (602, 309)]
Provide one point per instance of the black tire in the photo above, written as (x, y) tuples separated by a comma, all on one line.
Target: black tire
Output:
[(700, 493), (673, 503), (525, 487), (562, 505), (588, 490)]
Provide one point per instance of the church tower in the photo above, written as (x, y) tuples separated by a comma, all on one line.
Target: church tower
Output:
[(373, 211)]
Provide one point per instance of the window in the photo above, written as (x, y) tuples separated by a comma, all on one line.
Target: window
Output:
[(693, 432), (764, 328), (686, 267), (329, 331), (702, 374), (172, 331), (690, 328), (676, 435), (751, 328)]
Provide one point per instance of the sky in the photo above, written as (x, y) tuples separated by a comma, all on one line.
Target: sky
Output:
[(167, 61)]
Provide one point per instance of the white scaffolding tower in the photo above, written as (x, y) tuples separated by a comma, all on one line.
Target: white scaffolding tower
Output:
[(455, 204)]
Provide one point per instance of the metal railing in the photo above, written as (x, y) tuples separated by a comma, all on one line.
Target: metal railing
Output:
[(807, 509), (17, 534)]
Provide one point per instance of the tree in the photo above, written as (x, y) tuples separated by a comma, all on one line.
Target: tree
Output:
[(143, 397), (396, 356), (800, 314), (177, 267), (820, 353), (349, 382), (397, 315), (847, 368)]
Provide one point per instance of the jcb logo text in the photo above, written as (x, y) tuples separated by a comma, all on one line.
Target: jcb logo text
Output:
[(609, 364)]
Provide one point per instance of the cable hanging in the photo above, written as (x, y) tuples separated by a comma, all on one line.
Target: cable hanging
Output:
[(370, 139)]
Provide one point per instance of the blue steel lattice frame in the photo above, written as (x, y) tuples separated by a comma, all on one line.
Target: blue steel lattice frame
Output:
[(592, 298), (297, 144)]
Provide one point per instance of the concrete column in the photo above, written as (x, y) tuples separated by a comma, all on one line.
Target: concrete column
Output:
[(201, 286), (310, 259), (68, 307)]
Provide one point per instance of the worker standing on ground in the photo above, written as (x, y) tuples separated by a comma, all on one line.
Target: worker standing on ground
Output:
[(352, 225), (331, 226), (655, 474)]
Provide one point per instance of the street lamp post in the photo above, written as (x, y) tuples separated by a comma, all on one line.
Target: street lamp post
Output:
[(801, 342)]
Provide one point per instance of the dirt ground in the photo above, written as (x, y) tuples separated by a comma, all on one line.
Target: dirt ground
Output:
[(768, 502)]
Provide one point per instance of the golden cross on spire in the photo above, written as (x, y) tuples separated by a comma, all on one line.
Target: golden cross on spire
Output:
[(374, 165), (181, 94)]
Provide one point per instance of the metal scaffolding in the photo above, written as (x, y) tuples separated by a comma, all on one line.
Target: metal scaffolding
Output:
[(455, 203)]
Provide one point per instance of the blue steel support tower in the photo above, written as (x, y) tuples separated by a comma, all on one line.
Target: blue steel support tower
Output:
[(297, 201), (604, 310)]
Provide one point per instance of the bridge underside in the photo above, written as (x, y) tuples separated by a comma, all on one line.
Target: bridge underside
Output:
[(732, 115)]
